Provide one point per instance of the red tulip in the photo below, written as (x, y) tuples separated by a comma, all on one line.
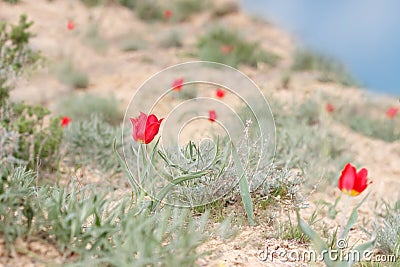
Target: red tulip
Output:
[(391, 112), (212, 115), (65, 121), (70, 25), (167, 14), (220, 93), (177, 84), (226, 49), (330, 108), (352, 182), (145, 128)]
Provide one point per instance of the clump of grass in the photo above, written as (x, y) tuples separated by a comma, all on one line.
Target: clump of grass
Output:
[(289, 230), (280, 184), (92, 3), (304, 142), (96, 225), (90, 142), (128, 3), (330, 69), (83, 106), (133, 44), (224, 8), (388, 236), (69, 75), (184, 9), (93, 38), (148, 10), (364, 118), (228, 47), (170, 39)]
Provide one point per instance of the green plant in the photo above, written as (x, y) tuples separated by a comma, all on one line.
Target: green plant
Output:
[(331, 70), (16, 210), (228, 47), (93, 38), (224, 8), (92, 3), (15, 54), (90, 141), (388, 236), (83, 106), (183, 9), (368, 118), (133, 44), (12, 1), (67, 74), (148, 10), (170, 39), (340, 247), (38, 142), (97, 225), (128, 3)]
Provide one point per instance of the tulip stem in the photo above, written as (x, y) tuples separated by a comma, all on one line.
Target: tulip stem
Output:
[(346, 208)]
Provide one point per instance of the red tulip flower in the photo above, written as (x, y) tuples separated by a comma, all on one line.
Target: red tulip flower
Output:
[(167, 14), (220, 93), (330, 108), (65, 121), (177, 84), (391, 112), (70, 25), (145, 128), (352, 182), (212, 115)]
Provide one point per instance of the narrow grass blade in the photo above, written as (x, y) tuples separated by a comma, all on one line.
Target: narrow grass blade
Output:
[(125, 168), (318, 243), (244, 188), (161, 195), (352, 219)]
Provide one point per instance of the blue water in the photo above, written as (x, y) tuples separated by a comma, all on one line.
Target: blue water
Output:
[(362, 34)]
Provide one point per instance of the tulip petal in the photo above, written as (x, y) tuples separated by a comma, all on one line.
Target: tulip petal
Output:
[(347, 179)]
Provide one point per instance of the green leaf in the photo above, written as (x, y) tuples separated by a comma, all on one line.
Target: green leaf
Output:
[(316, 240), (364, 247), (161, 195), (125, 168), (352, 219), (244, 187)]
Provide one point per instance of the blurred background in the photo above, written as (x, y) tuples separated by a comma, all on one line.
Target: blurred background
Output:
[(364, 35)]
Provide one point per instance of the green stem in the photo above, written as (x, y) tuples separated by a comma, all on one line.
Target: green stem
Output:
[(346, 208)]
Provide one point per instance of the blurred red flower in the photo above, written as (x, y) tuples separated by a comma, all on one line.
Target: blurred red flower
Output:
[(226, 49), (330, 108), (177, 84), (352, 182), (145, 128), (70, 25), (167, 14), (391, 112), (65, 121), (220, 93), (212, 115)]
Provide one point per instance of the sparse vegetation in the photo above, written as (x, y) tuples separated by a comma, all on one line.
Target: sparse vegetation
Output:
[(370, 120), (65, 183), (330, 70), (228, 47), (83, 106), (170, 39), (69, 75), (148, 10)]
